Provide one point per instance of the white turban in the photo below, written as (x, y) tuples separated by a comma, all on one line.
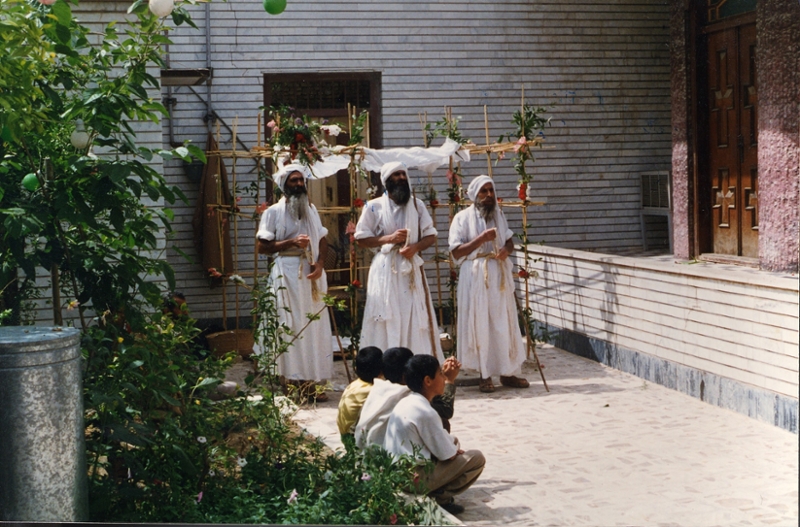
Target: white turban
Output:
[(476, 185), (390, 168), (282, 174)]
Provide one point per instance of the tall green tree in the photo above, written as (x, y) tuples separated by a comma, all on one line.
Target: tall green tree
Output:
[(83, 218)]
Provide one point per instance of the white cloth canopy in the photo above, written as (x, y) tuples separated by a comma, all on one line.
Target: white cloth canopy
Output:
[(425, 159)]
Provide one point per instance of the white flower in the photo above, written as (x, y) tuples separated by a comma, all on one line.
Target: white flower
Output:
[(201, 439), (235, 278), (331, 129), (241, 461), (211, 473)]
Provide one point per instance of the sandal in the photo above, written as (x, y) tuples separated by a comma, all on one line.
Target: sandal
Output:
[(486, 386), (514, 382)]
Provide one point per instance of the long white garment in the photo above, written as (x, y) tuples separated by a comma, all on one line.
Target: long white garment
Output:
[(311, 355), (395, 313), (489, 338), (371, 426)]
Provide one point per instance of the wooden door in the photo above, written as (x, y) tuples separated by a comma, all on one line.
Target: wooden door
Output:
[(732, 140)]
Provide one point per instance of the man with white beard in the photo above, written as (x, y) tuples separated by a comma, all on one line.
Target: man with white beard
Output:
[(397, 226), (489, 338), (291, 231)]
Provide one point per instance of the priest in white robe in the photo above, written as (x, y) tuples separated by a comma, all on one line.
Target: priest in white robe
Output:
[(489, 337), (397, 226), (291, 231)]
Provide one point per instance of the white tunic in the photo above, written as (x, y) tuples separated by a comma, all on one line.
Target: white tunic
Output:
[(311, 355), (489, 337), (395, 313), (414, 422), (371, 426)]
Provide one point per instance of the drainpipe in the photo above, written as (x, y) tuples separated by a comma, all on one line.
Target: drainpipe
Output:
[(210, 117)]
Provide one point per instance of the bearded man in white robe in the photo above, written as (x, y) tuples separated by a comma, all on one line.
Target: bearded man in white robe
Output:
[(397, 226), (489, 338), (292, 233)]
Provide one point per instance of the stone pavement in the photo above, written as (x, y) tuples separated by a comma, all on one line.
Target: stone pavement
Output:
[(606, 448)]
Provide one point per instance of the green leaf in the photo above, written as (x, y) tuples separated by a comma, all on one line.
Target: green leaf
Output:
[(183, 153), (62, 12), (197, 152), (184, 461)]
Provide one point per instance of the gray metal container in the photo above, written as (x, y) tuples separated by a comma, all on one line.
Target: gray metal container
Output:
[(42, 454)]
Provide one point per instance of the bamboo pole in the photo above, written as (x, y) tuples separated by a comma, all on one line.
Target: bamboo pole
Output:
[(488, 153), (258, 200), (235, 255), (218, 215)]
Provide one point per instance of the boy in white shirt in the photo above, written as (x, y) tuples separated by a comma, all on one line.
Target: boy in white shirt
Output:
[(414, 423)]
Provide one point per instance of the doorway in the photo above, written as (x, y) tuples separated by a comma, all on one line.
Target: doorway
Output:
[(728, 130)]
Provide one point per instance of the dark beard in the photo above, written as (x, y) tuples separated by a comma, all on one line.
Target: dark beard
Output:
[(399, 192), (296, 191), (486, 211)]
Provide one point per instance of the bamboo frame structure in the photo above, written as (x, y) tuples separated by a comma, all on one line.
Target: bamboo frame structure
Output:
[(262, 152)]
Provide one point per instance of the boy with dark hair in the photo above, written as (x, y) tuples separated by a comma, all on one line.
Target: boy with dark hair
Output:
[(369, 366), (414, 429)]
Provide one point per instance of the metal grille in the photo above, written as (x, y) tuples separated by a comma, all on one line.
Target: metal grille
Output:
[(655, 190), (321, 94)]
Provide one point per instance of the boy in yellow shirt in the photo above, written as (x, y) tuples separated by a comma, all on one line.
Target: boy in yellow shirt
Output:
[(369, 365)]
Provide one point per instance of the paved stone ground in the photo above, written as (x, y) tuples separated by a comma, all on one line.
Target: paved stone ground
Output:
[(606, 448)]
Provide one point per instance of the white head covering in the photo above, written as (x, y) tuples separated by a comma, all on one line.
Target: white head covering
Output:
[(476, 185), (282, 174), (390, 168)]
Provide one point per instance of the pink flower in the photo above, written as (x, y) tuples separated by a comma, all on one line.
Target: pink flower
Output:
[(271, 124), (365, 477), (351, 231), (520, 144), (453, 178), (393, 519), (200, 496), (292, 497), (261, 208)]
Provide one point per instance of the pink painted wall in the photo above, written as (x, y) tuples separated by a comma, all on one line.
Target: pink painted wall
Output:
[(778, 30)]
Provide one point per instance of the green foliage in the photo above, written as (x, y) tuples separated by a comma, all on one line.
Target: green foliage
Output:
[(529, 124), (88, 215)]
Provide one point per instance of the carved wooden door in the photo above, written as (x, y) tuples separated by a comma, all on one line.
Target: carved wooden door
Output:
[(732, 128)]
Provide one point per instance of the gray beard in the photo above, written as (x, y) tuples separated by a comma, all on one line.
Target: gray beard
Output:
[(298, 206), (486, 211)]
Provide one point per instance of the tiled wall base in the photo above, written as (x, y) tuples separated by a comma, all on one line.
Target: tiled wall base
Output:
[(758, 403)]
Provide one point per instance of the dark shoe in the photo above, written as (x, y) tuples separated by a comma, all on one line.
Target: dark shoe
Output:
[(452, 507), (486, 386), (514, 382)]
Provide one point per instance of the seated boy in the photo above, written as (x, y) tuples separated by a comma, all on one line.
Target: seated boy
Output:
[(385, 394), (369, 365), (415, 424)]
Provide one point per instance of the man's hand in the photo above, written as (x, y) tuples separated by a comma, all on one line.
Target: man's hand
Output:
[(316, 271), (502, 254), (301, 241), (488, 235), (450, 369), (399, 236), (408, 251)]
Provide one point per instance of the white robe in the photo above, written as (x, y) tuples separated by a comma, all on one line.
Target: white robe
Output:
[(371, 425), (489, 337), (395, 314), (311, 355)]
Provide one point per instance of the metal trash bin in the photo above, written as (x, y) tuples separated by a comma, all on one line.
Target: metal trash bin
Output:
[(42, 453)]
